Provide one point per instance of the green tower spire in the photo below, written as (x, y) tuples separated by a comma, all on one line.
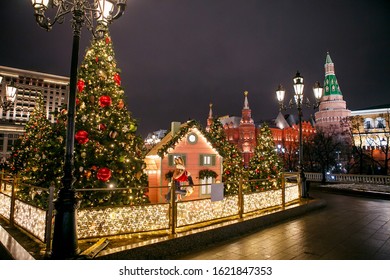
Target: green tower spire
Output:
[(331, 86)]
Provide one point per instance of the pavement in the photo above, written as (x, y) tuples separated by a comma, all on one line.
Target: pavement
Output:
[(350, 227), (331, 225)]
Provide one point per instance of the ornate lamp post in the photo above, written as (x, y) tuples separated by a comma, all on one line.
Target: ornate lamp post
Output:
[(298, 101), (84, 12), (8, 98)]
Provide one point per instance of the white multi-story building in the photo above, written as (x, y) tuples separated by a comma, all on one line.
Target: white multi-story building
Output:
[(371, 126), (30, 85)]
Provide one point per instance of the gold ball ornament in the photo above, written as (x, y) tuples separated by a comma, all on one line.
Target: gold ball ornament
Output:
[(121, 104), (102, 75), (87, 173)]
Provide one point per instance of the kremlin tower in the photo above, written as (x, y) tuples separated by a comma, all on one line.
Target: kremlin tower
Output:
[(210, 118), (247, 132), (333, 113), (240, 131)]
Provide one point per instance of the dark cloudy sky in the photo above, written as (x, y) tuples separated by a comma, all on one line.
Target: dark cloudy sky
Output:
[(177, 56)]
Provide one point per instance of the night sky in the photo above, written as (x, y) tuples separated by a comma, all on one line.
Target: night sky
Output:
[(177, 56)]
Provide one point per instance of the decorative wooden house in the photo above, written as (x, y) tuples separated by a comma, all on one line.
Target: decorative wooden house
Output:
[(201, 159)]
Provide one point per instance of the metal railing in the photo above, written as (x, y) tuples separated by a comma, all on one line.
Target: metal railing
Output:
[(349, 178)]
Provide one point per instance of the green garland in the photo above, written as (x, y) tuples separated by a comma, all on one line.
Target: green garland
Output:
[(207, 173), (175, 139)]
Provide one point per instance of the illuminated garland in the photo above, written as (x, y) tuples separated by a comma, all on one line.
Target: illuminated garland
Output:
[(178, 136), (109, 221)]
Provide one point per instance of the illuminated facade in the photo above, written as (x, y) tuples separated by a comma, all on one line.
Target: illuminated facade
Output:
[(29, 84), (373, 129), (371, 133), (242, 131), (286, 138)]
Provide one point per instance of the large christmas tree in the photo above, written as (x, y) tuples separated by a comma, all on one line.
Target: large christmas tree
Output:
[(35, 156), (265, 167), (108, 153), (232, 160)]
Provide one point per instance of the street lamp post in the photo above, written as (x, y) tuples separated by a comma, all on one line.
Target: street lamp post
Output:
[(298, 101), (84, 12), (9, 96)]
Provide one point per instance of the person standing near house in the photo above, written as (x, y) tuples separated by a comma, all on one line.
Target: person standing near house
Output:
[(179, 177)]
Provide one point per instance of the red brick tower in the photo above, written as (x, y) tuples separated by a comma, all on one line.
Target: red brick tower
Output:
[(247, 132)]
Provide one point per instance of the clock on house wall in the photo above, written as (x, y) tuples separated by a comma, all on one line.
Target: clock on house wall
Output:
[(192, 138)]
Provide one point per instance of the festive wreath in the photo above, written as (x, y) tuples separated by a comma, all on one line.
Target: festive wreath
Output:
[(206, 173)]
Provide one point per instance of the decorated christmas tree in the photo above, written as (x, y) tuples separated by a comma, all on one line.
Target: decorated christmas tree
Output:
[(108, 153), (232, 161), (35, 156), (265, 167)]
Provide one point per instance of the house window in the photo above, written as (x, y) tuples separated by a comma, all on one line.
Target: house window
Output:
[(171, 159), (207, 160), (206, 185)]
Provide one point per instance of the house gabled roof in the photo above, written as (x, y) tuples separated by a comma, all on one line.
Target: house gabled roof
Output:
[(170, 140), (281, 122)]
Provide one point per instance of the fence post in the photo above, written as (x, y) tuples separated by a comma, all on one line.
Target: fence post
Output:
[(283, 191), (240, 199), (1, 179), (13, 197), (173, 206), (49, 220)]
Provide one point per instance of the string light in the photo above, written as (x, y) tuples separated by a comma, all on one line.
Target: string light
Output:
[(5, 202), (131, 219), (31, 218)]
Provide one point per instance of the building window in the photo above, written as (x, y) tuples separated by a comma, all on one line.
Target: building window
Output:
[(11, 141), (370, 142), (380, 123), (171, 159), (368, 123), (207, 160), (206, 185)]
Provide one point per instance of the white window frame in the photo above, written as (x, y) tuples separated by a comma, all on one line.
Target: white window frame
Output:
[(205, 188)]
